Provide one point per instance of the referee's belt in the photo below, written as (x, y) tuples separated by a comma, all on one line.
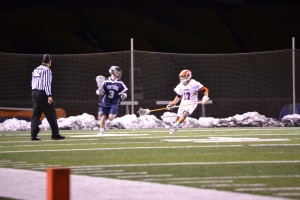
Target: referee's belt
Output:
[(38, 90)]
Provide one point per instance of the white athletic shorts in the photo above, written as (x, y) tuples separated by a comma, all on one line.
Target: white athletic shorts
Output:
[(190, 109)]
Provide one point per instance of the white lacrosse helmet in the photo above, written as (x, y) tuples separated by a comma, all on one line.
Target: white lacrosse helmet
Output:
[(115, 70), (185, 76)]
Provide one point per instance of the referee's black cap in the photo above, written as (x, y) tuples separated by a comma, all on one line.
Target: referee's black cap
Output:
[(46, 58)]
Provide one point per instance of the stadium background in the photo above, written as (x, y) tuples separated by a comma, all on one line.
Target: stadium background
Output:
[(239, 49), (238, 83)]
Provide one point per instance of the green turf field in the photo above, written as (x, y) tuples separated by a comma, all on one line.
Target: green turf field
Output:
[(264, 161)]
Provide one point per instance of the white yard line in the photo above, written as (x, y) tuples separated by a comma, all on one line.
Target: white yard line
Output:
[(205, 163), (272, 145), (286, 194), (119, 173), (145, 176), (120, 148), (47, 139), (268, 189), (201, 181), (233, 185), (225, 139), (226, 177), (108, 135)]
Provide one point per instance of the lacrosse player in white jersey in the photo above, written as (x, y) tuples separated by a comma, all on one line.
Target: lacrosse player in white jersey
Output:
[(186, 91)]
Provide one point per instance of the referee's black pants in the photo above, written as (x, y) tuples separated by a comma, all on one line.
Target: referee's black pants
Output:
[(40, 105)]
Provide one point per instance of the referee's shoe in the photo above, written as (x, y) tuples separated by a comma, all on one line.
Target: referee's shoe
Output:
[(58, 137), (36, 139)]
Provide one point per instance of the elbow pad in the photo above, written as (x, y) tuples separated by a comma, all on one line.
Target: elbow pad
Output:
[(204, 89)]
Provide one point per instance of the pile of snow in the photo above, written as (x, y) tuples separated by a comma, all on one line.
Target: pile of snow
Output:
[(291, 120), (15, 125), (80, 122), (250, 119), (88, 122)]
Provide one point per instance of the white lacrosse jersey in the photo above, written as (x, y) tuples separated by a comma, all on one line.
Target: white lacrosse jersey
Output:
[(188, 92)]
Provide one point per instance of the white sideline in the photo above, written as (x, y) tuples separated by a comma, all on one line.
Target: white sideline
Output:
[(31, 185)]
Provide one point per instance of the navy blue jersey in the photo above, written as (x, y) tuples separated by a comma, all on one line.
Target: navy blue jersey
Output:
[(111, 92)]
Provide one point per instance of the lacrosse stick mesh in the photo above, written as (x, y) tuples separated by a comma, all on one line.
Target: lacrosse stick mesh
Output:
[(99, 80)]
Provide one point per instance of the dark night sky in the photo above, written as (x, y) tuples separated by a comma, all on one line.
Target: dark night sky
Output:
[(221, 26)]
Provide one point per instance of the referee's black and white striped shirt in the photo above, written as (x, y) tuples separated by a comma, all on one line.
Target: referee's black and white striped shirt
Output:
[(41, 79)]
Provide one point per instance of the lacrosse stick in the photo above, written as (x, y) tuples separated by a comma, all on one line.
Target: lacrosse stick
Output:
[(143, 112), (99, 80)]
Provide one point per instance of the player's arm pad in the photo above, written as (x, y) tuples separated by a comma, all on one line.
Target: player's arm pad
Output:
[(204, 89)]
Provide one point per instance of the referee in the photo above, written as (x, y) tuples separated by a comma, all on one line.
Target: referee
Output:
[(42, 101)]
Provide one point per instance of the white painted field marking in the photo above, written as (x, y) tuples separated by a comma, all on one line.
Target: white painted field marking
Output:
[(233, 185), (292, 194), (45, 140), (45, 167), (48, 144), (148, 175), (121, 148), (201, 181), (109, 131), (225, 139), (271, 145), (94, 170), (121, 173), (23, 165), (79, 144), (237, 129), (227, 135), (109, 135), (225, 177), (205, 163), (268, 189), (20, 164)]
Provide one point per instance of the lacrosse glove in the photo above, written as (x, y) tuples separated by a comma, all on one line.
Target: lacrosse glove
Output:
[(100, 92), (123, 95), (205, 99), (170, 106)]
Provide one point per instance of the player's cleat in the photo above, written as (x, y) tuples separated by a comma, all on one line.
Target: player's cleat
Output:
[(101, 133), (173, 129)]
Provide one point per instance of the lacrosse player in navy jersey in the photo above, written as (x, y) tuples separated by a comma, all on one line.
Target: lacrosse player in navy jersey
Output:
[(113, 90)]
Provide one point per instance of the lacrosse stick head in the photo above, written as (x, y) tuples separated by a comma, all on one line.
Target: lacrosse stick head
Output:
[(143, 112), (99, 80)]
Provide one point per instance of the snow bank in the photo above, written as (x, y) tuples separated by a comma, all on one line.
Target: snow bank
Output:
[(88, 122)]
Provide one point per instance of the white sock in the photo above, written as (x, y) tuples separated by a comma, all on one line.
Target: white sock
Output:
[(107, 124), (102, 130)]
